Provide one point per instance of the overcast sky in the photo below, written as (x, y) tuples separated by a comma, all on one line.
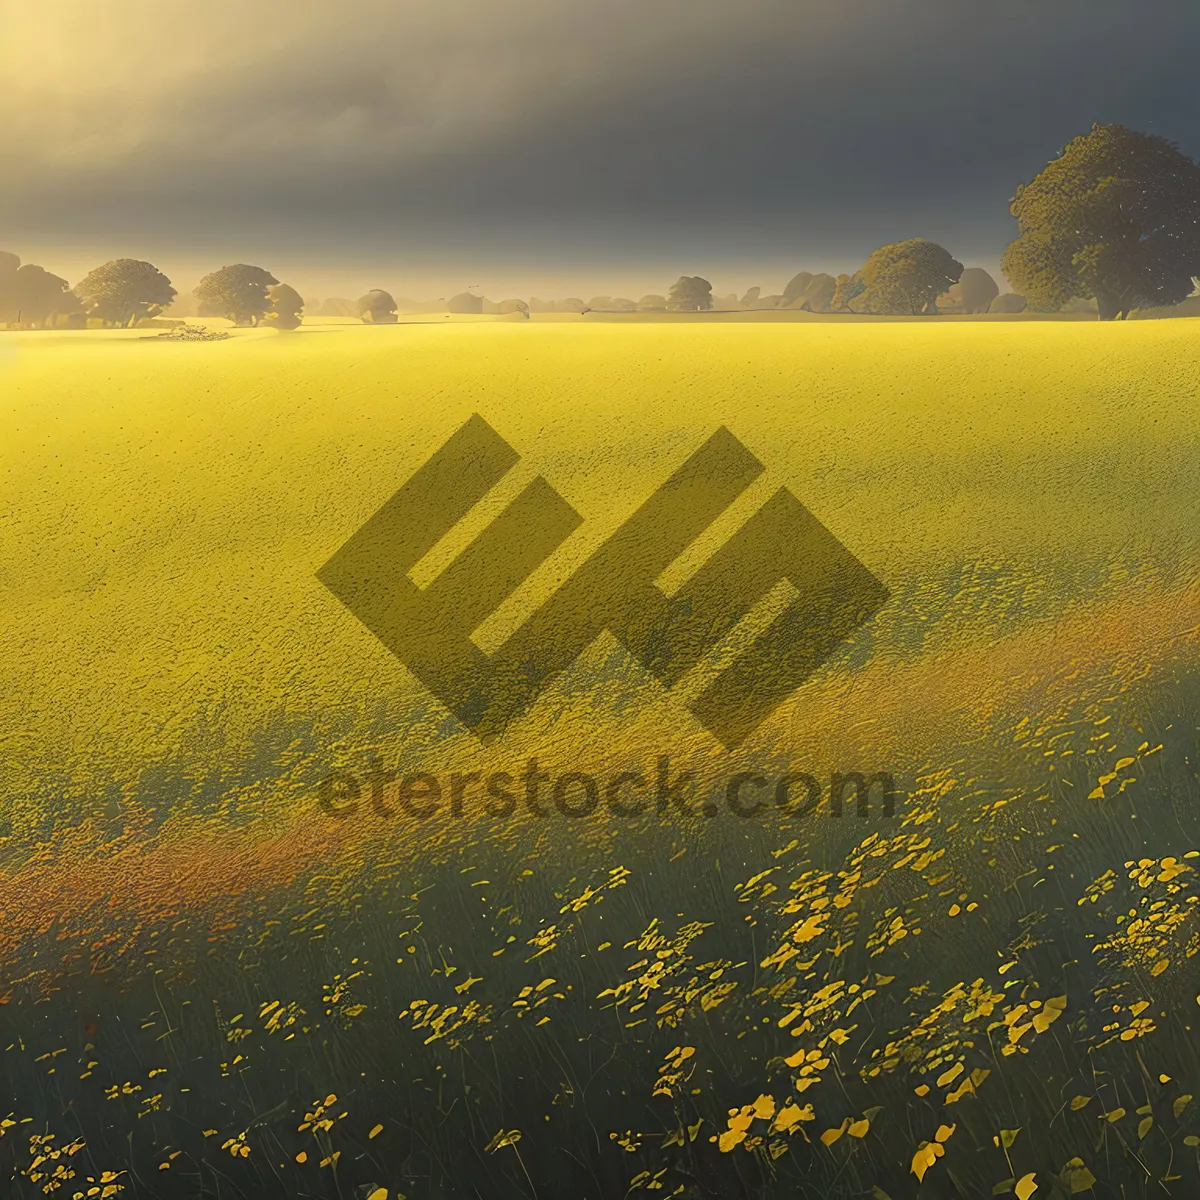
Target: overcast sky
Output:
[(561, 147)]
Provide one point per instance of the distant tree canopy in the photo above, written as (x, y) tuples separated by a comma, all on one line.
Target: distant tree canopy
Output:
[(465, 302), (376, 308), (906, 278), (572, 304), (30, 295), (1115, 217), (652, 303), (977, 290), (690, 293), (337, 306), (611, 304), (818, 296), (122, 291), (287, 307), (41, 295), (1007, 302), (512, 306), (238, 292), (846, 291), (796, 286)]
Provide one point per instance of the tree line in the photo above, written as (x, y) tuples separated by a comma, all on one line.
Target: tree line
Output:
[(126, 290), (1114, 220)]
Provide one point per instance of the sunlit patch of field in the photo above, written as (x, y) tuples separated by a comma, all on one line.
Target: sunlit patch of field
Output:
[(776, 1006)]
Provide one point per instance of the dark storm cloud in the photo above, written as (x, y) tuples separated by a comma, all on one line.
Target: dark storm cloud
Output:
[(613, 127)]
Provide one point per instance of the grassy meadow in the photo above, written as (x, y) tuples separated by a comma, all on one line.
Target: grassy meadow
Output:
[(210, 987)]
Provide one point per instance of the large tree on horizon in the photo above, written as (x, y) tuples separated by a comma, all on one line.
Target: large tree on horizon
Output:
[(30, 295), (1116, 216), (238, 292), (905, 278), (123, 290), (690, 293)]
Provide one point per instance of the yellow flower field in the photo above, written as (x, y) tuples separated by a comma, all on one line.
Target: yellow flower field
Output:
[(785, 1002)]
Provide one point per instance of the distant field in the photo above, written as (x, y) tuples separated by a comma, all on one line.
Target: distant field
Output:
[(178, 683), (794, 314)]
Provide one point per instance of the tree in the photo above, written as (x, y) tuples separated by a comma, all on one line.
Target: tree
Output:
[(906, 278), (512, 306), (977, 290), (846, 290), (1116, 216), (796, 287), (1008, 302), (9, 265), (690, 294), (40, 295), (819, 296), (465, 303), (31, 295), (652, 303), (124, 290), (376, 308), (287, 306), (238, 292)]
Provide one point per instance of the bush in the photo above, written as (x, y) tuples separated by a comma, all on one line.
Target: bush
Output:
[(287, 306), (193, 333)]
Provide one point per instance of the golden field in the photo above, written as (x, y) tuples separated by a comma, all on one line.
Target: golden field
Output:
[(167, 505), (178, 683)]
